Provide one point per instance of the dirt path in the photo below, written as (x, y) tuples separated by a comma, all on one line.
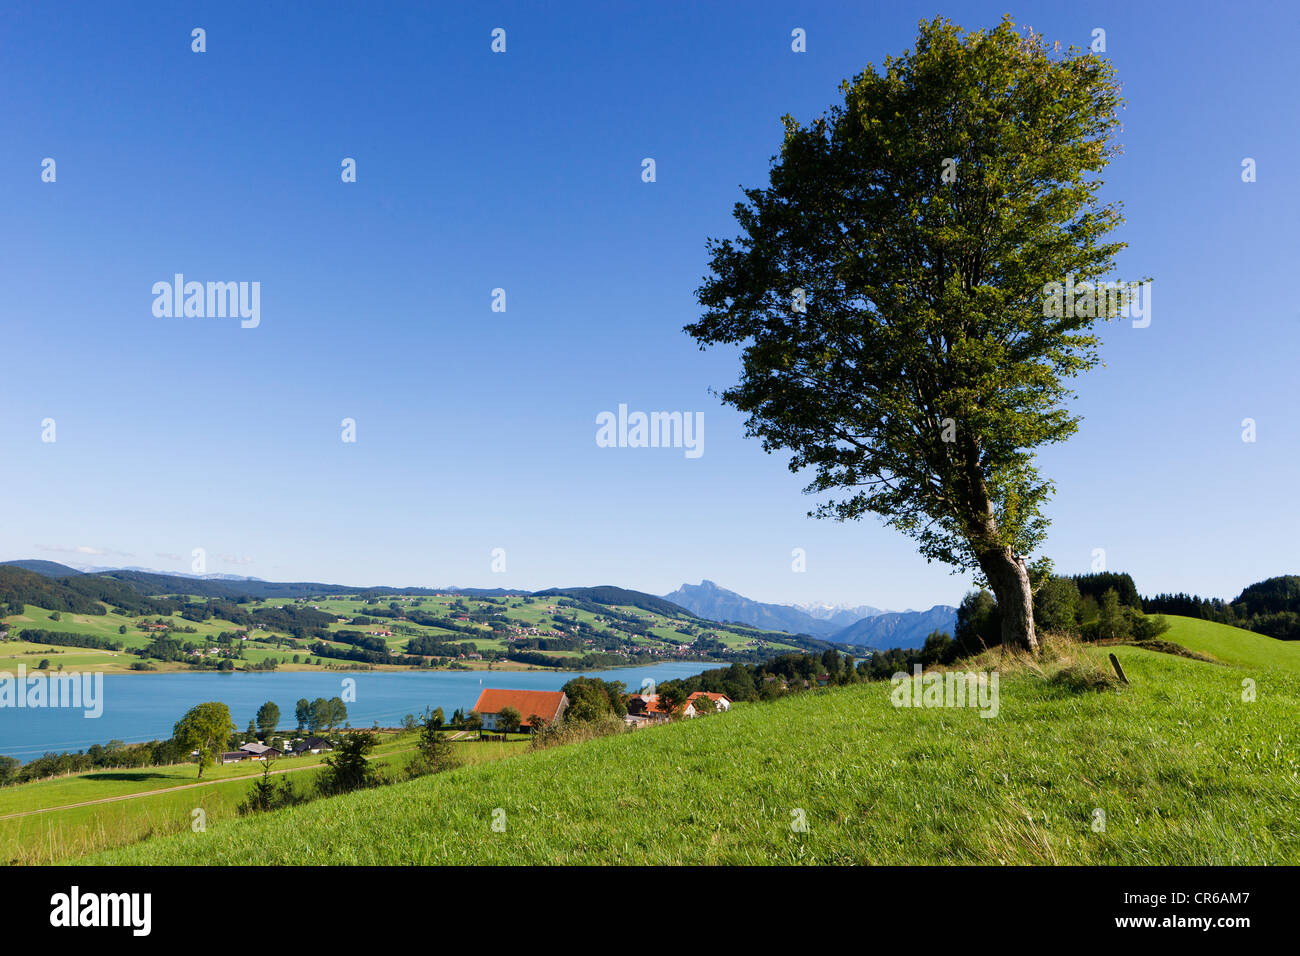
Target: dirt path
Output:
[(183, 786)]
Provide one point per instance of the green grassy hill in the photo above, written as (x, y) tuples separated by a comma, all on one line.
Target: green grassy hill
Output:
[(1184, 769), (1232, 645), (325, 631), (53, 820)]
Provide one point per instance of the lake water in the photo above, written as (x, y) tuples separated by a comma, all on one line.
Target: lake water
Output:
[(139, 707)]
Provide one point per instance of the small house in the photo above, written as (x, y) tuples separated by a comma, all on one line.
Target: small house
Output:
[(721, 702), (259, 751), (547, 705)]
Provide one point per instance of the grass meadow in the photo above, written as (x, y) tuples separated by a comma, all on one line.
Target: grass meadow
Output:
[(67, 831), (1177, 767)]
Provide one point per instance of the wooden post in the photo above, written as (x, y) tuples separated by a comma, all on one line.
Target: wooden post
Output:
[(1114, 662)]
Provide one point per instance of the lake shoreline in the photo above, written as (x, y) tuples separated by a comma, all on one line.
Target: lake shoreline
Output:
[(148, 707)]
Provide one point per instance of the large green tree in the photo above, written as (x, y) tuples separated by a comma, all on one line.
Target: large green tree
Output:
[(268, 717), (888, 292), (205, 729)]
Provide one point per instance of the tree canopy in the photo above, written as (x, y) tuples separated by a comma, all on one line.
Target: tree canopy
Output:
[(888, 291), (205, 728)]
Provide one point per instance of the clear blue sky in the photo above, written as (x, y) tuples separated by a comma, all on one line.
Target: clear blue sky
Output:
[(476, 429)]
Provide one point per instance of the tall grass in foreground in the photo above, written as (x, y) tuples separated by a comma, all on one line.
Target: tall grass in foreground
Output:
[(1181, 769)]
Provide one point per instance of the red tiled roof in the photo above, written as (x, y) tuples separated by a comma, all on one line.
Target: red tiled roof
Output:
[(544, 703), (652, 705), (709, 694)]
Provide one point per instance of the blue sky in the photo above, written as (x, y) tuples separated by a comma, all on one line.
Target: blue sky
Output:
[(476, 429)]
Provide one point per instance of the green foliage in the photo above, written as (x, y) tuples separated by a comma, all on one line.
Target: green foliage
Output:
[(1015, 790), (348, 768), (322, 714), (267, 794), (618, 596), (591, 698), (268, 717), (1270, 607), (19, 586), (1111, 622), (672, 696), (979, 622), (563, 732), (434, 753), (1096, 585), (60, 639), (205, 728), (939, 648), (924, 298), (1147, 627), (1056, 605), (508, 719)]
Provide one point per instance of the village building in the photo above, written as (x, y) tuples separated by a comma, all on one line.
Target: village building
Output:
[(721, 702), (259, 751), (644, 708), (650, 708), (547, 705)]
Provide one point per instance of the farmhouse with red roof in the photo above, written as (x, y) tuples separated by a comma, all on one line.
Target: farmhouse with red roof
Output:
[(549, 705), (720, 701)]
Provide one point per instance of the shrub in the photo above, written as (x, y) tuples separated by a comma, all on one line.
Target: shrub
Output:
[(979, 623), (267, 794), (568, 732), (348, 768), (434, 753)]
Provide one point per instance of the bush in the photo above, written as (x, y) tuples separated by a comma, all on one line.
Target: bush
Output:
[(939, 648), (979, 623), (1147, 628), (1084, 676), (348, 768), (267, 794), (1056, 605), (569, 732), (434, 753)]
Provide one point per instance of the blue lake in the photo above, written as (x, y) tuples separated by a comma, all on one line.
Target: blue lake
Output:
[(139, 707)]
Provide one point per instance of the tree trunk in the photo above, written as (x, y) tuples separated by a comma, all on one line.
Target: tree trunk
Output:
[(1009, 578)]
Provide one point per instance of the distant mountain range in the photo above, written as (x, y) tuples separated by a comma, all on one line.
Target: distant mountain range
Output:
[(714, 603), (863, 626), (92, 569), (899, 628), (841, 614), (57, 570), (231, 588)]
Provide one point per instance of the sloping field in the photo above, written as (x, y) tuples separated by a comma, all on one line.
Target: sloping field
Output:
[(1232, 645), (1176, 768)]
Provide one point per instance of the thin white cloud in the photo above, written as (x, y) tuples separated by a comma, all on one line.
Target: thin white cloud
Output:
[(86, 549)]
